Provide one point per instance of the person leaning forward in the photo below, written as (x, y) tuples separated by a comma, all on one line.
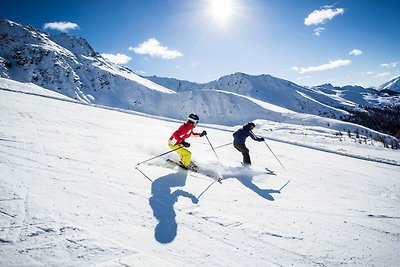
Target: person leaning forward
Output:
[(239, 140), (178, 141)]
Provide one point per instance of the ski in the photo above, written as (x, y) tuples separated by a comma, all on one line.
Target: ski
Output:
[(183, 167), (262, 171), (271, 172), (218, 179)]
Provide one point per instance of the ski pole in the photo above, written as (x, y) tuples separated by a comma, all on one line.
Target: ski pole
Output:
[(212, 147), (274, 155), (206, 189), (222, 145), (284, 185), (145, 175), (159, 155)]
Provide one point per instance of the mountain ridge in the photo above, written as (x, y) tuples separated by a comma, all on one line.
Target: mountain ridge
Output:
[(70, 66), (392, 85)]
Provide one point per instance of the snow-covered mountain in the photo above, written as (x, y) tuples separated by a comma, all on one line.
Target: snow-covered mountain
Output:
[(175, 84), (70, 194), (392, 85), (367, 106), (266, 88), (358, 97), (70, 66), (325, 100), (276, 91)]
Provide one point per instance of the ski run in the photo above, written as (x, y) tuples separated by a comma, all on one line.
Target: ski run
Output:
[(70, 194)]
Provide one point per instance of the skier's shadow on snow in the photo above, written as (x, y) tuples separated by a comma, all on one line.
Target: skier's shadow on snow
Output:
[(162, 202), (247, 180)]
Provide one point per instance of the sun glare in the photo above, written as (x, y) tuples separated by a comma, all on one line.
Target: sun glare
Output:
[(221, 10)]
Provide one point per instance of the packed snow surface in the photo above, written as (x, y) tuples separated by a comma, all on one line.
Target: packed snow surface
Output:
[(70, 194)]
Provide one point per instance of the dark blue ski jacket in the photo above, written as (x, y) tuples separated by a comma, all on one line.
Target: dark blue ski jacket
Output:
[(239, 137)]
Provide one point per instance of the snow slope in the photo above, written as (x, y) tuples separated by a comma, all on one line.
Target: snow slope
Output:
[(393, 85), (70, 194), (356, 96), (226, 108), (278, 92), (68, 65), (324, 100)]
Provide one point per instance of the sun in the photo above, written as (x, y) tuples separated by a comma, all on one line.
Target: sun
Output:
[(221, 10)]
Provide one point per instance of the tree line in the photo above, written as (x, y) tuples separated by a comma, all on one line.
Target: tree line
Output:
[(386, 120)]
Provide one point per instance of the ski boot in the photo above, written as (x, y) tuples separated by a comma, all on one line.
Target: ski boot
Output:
[(192, 167), (246, 165)]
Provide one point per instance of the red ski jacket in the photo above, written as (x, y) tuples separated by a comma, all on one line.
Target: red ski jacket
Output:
[(185, 131)]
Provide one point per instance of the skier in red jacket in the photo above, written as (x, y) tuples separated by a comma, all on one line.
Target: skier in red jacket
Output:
[(177, 140)]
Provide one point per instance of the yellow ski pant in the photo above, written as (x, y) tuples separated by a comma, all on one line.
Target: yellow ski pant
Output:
[(183, 152)]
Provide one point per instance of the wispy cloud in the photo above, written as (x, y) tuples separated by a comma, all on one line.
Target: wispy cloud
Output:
[(356, 52), (382, 75), (61, 26), (117, 58), (322, 16), (390, 65), (328, 66), (154, 48), (318, 31)]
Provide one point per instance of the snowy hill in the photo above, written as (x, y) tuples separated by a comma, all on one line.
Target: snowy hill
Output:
[(70, 194), (366, 106), (70, 66), (358, 97), (175, 84), (325, 100), (266, 88), (276, 91), (392, 85)]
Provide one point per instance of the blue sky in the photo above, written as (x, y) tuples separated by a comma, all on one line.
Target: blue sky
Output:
[(307, 42)]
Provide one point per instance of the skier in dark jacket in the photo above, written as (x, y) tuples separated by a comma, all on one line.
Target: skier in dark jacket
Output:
[(239, 139)]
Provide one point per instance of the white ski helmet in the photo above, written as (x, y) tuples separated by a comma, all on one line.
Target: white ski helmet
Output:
[(193, 118)]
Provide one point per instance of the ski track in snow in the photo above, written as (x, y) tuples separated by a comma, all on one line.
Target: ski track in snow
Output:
[(70, 195)]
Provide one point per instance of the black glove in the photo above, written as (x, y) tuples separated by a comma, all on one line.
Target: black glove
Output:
[(185, 144), (203, 134), (262, 139)]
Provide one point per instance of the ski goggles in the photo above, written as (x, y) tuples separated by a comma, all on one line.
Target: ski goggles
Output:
[(193, 120)]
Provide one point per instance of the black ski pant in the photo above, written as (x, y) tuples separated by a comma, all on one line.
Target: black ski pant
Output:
[(245, 152)]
